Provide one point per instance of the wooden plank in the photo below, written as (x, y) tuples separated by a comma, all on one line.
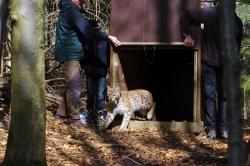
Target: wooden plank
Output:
[(198, 77), (122, 85), (112, 67), (152, 43), (116, 72), (120, 76), (179, 126), (195, 88), (184, 126), (198, 109)]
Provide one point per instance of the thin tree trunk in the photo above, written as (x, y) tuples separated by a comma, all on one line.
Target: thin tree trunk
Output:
[(26, 141), (3, 17), (231, 67)]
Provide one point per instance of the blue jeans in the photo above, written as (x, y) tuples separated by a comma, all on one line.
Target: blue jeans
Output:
[(213, 98), (96, 89)]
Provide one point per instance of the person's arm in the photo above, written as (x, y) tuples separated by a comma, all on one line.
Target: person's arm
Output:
[(81, 24), (193, 18)]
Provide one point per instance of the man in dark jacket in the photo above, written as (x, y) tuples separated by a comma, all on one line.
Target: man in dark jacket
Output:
[(211, 66), (96, 64), (72, 29)]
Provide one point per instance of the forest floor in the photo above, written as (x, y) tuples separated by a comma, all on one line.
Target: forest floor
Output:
[(68, 145)]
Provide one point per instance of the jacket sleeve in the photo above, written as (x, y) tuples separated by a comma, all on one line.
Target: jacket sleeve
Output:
[(194, 17), (78, 21)]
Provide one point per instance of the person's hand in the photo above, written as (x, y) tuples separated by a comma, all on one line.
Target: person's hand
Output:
[(188, 41), (114, 40)]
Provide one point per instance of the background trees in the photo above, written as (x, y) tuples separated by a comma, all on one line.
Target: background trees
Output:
[(243, 10)]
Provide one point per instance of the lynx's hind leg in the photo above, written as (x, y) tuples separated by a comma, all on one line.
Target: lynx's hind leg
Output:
[(151, 112)]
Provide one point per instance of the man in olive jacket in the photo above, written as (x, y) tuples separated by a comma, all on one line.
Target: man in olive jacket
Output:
[(72, 29), (211, 65)]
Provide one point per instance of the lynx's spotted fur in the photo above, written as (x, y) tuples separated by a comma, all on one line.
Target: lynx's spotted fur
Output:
[(126, 103)]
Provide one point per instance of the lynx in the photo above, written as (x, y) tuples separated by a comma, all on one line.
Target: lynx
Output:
[(126, 103)]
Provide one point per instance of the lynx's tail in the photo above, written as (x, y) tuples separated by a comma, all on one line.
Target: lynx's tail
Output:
[(151, 112)]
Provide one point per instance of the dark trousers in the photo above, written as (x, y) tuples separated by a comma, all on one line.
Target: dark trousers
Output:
[(96, 89), (213, 98), (69, 104)]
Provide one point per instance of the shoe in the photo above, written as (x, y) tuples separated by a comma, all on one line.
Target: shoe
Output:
[(76, 122), (211, 134), (223, 134), (84, 118), (101, 117)]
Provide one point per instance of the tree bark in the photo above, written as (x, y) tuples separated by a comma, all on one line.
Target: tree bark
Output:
[(231, 67), (3, 17), (26, 140)]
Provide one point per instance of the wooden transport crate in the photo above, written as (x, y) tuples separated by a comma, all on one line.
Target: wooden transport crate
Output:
[(152, 57)]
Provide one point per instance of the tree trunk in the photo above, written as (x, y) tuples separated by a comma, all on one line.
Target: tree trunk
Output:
[(3, 16), (231, 67), (26, 141)]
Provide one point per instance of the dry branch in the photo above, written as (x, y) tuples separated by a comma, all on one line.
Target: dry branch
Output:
[(54, 99), (54, 68), (54, 79)]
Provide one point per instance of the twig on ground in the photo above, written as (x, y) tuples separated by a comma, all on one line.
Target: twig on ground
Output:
[(54, 79), (50, 90), (54, 98), (54, 68), (132, 160)]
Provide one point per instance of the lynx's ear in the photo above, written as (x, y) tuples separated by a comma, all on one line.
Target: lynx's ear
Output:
[(118, 90), (108, 88)]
